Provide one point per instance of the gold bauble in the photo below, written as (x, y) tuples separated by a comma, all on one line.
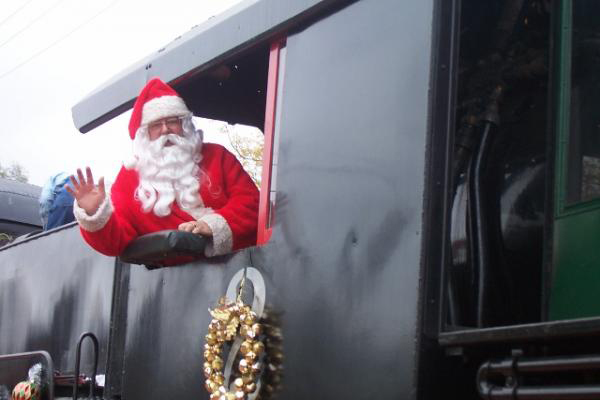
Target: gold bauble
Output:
[(218, 378), (258, 348), (248, 332), (208, 356), (248, 318), (250, 356), (211, 338), (244, 366), (239, 383), (277, 356), (211, 386), (246, 347), (230, 396), (212, 348), (250, 387), (217, 363)]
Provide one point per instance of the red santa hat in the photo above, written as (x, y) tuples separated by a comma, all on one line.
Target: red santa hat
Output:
[(156, 100)]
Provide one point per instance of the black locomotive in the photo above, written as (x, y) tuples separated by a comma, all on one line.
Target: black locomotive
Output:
[(430, 193)]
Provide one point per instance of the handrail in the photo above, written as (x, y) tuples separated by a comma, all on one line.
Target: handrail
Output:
[(78, 361), (511, 368)]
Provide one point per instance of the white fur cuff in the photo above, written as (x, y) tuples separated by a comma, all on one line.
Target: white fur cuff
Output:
[(222, 240), (93, 223)]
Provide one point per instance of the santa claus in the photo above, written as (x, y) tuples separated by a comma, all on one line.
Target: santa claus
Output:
[(173, 181)]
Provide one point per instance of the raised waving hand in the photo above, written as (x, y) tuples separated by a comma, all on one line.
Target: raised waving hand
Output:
[(88, 195)]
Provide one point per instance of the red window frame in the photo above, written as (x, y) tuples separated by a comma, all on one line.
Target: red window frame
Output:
[(264, 212)]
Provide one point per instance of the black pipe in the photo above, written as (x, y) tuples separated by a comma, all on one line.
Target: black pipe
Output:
[(464, 144), (479, 226), (547, 364), (511, 368), (568, 392), (479, 215)]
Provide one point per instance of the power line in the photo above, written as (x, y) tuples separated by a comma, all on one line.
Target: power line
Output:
[(15, 12), (59, 40), (42, 15)]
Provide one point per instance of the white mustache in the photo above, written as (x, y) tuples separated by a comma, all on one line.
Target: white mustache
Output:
[(160, 143)]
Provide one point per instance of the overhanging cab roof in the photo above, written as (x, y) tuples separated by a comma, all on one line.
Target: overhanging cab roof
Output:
[(203, 48)]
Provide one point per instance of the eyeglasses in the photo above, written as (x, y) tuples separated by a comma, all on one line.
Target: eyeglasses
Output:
[(172, 123)]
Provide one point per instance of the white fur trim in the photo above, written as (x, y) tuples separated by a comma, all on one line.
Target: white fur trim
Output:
[(162, 107), (222, 240), (93, 223)]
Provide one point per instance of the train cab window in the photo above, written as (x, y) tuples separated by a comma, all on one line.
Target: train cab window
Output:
[(247, 91), (235, 104), (583, 168), (494, 272), (243, 93)]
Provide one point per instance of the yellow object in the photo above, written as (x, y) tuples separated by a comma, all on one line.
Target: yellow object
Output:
[(230, 320)]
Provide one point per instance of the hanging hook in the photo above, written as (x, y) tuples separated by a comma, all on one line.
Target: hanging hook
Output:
[(238, 298)]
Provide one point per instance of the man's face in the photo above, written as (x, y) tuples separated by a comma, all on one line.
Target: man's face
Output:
[(165, 126)]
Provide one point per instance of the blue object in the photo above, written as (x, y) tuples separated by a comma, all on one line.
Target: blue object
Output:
[(56, 204)]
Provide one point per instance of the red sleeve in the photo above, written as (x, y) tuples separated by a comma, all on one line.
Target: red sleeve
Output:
[(118, 232), (241, 210)]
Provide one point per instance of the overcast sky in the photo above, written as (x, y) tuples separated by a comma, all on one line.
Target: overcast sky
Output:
[(55, 52)]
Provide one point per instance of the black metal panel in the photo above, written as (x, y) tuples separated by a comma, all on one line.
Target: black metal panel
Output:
[(345, 255), (118, 331), (167, 319), (52, 289)]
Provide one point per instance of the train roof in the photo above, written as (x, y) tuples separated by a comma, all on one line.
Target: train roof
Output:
[(237, 29), (19, 202)]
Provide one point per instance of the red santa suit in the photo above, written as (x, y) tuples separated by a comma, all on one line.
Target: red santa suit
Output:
[(228, 195)]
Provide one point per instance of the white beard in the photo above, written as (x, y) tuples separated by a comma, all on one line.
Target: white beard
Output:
[(170, 173)]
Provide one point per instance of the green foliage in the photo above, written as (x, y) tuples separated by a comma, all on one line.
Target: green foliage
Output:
[(5, 238), (248, 147), (15, 172)]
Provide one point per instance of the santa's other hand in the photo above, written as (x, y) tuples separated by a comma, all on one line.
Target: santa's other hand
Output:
[(197, 227)]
